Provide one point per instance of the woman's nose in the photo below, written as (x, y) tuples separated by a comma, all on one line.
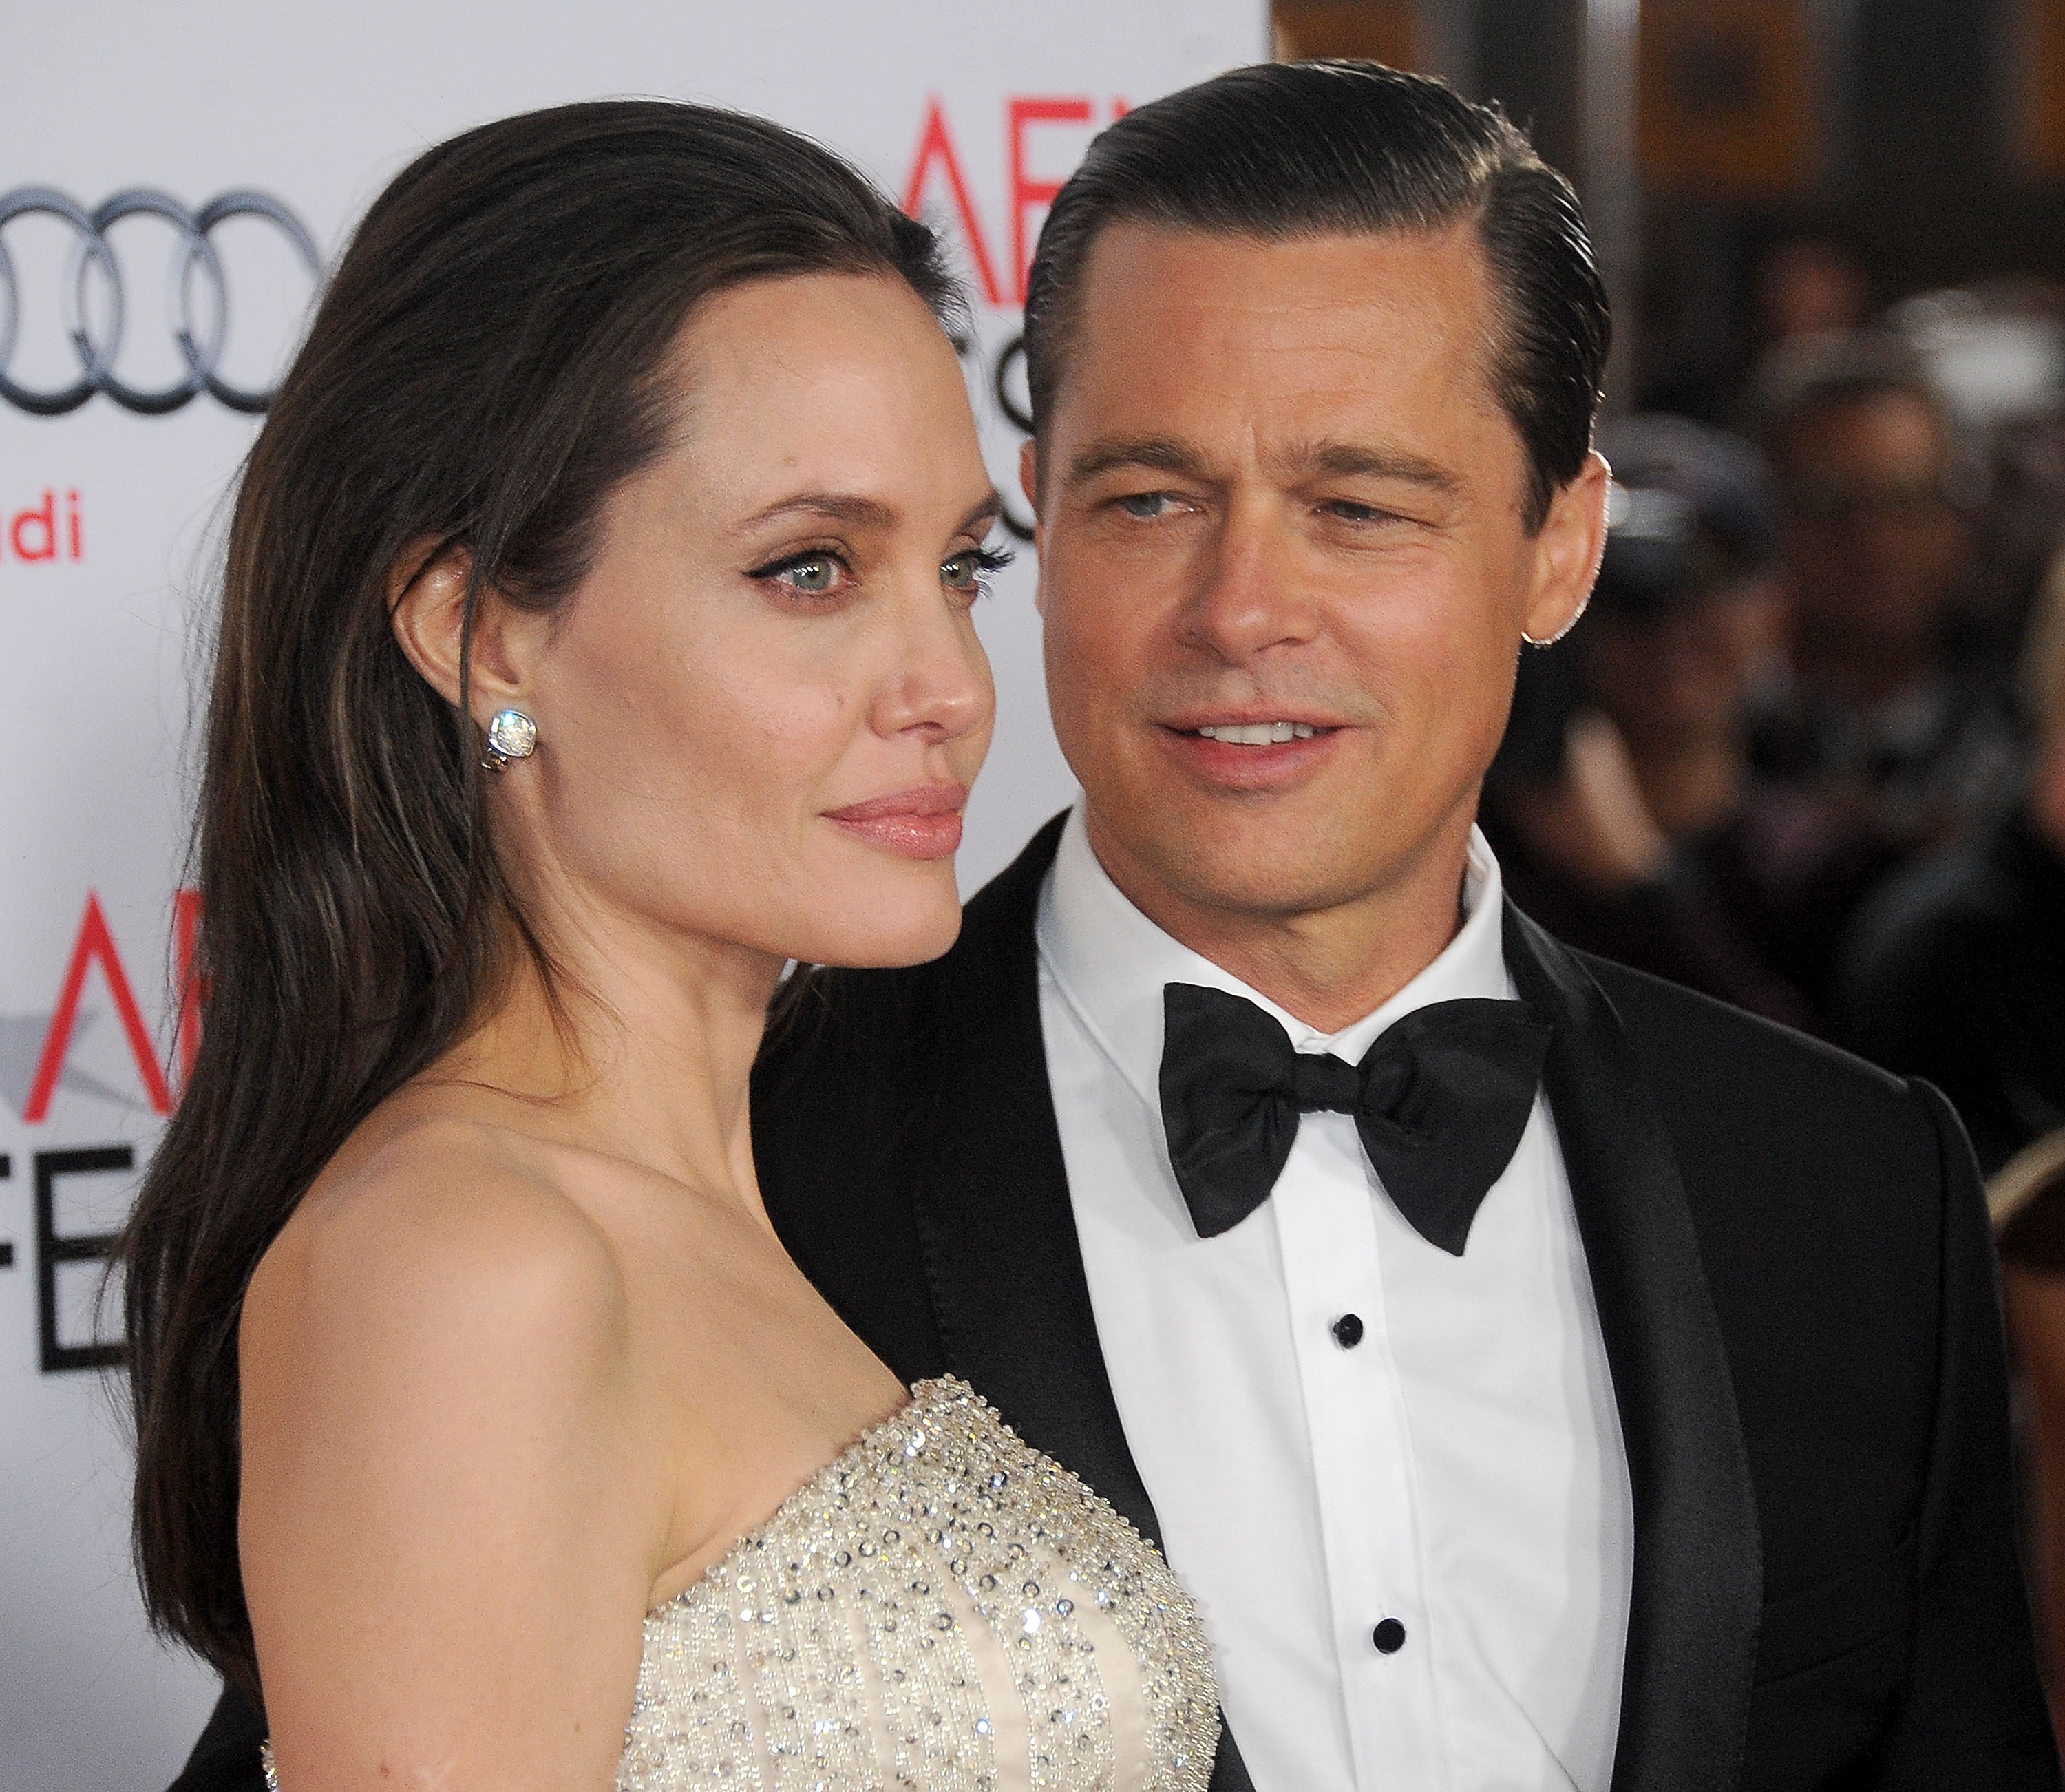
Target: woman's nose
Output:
[(939, 681)]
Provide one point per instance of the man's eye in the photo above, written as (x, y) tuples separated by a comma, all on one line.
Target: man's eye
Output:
[(1350, 511), (1147, 505)]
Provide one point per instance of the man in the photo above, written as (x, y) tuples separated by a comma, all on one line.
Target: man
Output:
[(1645, 1428), (1679, 1463), (1889, 745), (1956, 969), (1874, 544)]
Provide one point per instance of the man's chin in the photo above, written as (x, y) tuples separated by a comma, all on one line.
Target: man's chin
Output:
[(1262, 880)]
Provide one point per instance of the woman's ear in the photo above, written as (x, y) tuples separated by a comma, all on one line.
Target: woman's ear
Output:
[(426, 597)]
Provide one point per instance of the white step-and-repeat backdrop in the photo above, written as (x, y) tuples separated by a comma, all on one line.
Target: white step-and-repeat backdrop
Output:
[(182, 174)]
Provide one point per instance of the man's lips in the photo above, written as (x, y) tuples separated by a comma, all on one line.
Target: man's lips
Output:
[(924, 822), (1258, 734), (1252, 752)]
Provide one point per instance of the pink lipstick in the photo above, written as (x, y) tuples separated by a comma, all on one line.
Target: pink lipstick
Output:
[(924, 822)]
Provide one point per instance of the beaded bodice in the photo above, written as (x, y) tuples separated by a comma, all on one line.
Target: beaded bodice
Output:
[(940, 1608)]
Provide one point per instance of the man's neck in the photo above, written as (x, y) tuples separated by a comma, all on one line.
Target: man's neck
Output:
[(1329, 965)]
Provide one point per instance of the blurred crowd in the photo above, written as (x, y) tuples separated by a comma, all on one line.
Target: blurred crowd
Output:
[(1806, 752)]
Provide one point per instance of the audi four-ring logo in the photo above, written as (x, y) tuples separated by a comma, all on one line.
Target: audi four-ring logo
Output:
[(196, 262)]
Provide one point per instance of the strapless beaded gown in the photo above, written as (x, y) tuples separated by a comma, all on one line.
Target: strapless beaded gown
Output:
[(941, 1607)]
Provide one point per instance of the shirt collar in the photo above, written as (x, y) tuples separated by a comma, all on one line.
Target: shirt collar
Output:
[(1110, 962)]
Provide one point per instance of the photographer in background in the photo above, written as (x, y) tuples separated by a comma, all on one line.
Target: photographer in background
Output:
[(1956, 970), (1623, 805), (1906, 745)]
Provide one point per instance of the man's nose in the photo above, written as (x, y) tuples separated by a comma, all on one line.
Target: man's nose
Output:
[(1250, 596)]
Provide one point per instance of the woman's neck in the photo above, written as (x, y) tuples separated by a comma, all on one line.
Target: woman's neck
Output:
[(640, 1045)]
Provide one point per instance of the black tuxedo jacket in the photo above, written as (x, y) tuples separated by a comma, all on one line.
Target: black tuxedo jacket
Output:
[(1794, 1284)]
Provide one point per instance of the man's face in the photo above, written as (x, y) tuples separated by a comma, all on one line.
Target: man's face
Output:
[(1872, 542), (1280, 499)]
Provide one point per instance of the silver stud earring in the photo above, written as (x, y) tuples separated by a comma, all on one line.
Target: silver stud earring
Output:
[(511, 734)]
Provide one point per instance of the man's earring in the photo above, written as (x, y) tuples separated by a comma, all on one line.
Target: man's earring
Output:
[(1550, 641), (511, 734)]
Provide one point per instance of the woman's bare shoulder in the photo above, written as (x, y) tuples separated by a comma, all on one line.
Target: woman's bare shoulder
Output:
[(441, 1237)]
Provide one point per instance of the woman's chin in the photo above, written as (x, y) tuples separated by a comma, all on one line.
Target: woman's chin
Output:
[(908, 928)]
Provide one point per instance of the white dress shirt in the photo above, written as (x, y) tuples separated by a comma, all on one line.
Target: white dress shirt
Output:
[(1459, 1470)]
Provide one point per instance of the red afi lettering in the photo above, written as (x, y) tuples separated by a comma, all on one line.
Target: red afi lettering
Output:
[(1026, 193), (94, 942), (191, 986), (936, 145)]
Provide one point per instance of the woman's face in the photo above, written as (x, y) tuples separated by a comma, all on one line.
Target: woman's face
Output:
[(759, 715)]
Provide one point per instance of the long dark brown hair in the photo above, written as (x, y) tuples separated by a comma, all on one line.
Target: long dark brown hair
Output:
[(485, 369)]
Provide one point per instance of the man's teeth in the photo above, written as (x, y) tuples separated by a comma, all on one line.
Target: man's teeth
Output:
[(1258, 733)]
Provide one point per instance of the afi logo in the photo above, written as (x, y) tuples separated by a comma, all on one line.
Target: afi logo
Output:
[(939, 163), (94, 949), (69, 1260)]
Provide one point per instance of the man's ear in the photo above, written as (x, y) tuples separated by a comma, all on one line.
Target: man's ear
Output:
[(1566, 553), (1028, 482), (426, 594)]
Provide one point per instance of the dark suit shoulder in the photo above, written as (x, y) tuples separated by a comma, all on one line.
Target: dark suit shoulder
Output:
[(1695, 1048), (838, 1096)]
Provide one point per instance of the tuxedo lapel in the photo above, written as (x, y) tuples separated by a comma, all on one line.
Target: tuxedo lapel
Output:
[(994, 1222), (1697, 1595)]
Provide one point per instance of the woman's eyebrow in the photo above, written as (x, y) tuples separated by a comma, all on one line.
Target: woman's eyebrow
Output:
[(985, 511), (866, 513), (836, 507)]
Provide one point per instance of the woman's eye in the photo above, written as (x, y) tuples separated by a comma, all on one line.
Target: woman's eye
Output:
[(807, 574), (816, 574), (968, 573)]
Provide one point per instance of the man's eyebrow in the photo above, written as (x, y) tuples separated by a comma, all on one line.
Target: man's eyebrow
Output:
[(1352, 460), (1161, 453)]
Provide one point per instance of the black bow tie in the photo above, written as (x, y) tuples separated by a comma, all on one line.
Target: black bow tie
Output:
[(1440, 1101)]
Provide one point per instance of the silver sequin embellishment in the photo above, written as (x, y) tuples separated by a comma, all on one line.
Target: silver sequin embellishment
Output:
[(831, 1651)]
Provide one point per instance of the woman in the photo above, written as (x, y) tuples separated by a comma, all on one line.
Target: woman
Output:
[(595, 640)]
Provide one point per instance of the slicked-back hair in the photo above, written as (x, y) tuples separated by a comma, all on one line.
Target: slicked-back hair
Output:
[(1283, 151)]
